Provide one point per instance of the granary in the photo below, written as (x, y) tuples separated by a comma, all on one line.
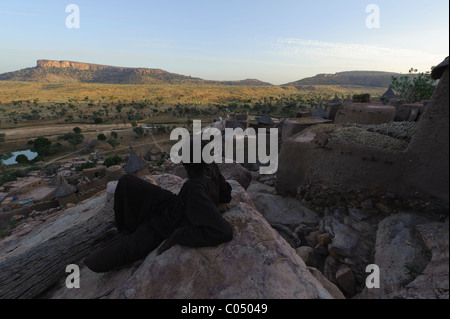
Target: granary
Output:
[(332, 106), (335, 100), (65, 193), (135, 165), (361, 98), (320, 113), (389, 94), (265, 121)]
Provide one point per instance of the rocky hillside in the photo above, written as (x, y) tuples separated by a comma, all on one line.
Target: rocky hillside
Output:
[(76, 72), (362, 78)]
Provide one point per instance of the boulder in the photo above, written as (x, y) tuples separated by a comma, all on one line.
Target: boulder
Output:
[(256, 264), (411, 273), (281, 210), (396, 249), (257, 187), (433, 282), (111, 189), (328, 285), (352, 242), (235, 171), (345, 279), (307, 254), (324, 239)]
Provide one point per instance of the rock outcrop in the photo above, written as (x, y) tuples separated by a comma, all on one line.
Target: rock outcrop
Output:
[(285, 214), (74, 65), (412, 255), (433, 282), (257, 263), (32, 262)]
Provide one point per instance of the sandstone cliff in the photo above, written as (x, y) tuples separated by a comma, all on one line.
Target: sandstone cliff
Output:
[(70, 71)]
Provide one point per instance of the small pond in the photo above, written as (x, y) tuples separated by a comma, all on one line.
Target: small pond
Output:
[(10, 158)]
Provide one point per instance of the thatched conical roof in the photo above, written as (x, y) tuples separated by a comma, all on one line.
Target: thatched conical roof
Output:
[(336, 100), (62, 187), (320, 112), (265, 119), (389, 94), (134, 163)]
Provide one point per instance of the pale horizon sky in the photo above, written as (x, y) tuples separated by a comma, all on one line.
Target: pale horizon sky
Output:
[(274, 41)]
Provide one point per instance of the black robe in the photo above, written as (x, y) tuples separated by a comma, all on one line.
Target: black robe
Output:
[(146, 214)]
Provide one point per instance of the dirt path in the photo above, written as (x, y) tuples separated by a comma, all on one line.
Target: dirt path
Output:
[(104, 153), (32, 132)]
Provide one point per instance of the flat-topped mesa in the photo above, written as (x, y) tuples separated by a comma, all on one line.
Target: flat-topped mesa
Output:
[(87, 66)]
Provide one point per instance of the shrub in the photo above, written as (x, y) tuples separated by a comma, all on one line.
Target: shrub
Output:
[(112, 161), (22, 159), (414, 89)]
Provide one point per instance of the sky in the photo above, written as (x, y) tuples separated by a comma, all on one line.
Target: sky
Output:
[(276, 41)]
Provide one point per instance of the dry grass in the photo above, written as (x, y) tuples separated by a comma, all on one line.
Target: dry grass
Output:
[(364, 137), (194, 94)]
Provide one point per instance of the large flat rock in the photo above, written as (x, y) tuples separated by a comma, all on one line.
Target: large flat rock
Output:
[(257, 263)]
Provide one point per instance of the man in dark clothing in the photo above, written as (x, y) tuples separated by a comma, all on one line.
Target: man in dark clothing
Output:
[(146, 215)]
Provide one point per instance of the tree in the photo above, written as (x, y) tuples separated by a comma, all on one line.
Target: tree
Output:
[(414, 89), (22, 159), (101, 137), (77, 130), (2, 137), (72, 138), (113, 142), (114, 135), (139, 131), (98, 120), (42, 145)]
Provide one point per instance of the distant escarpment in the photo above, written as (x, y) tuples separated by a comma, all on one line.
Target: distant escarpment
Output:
[(350, 78), (77, 72)]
